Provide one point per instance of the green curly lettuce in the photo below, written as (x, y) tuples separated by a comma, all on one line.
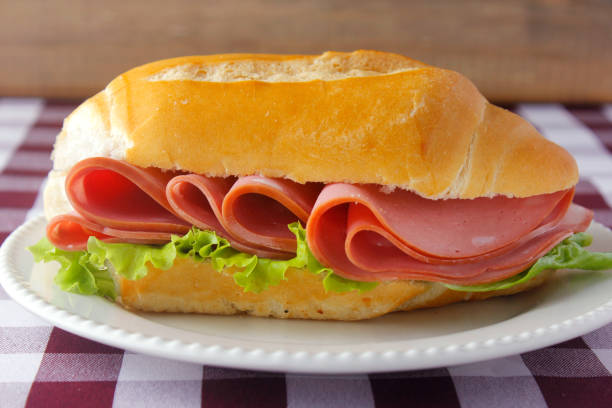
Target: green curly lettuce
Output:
[(87, 272), (257, 274), (77, 273)]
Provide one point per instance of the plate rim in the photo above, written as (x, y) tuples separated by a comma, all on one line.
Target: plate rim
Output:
[(283, 360)]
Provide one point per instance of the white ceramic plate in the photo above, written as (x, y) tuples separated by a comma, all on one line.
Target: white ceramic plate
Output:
[(573, 304)]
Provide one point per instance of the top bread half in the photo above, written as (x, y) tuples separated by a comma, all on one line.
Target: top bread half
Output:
[(361, 117)]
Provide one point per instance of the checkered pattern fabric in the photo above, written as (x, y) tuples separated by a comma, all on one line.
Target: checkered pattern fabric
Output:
[(43, 366)]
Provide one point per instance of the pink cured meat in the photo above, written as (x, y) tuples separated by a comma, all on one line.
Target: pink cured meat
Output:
[(252, 212), (119, 195), (70, 232), (367, 235), (117, 202), (357, 230)]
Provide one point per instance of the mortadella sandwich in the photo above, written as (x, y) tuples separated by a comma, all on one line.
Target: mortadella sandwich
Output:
[(341, 186)]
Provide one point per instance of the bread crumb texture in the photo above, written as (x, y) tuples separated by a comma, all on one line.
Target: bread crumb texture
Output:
[(329, 66), (195, 287)]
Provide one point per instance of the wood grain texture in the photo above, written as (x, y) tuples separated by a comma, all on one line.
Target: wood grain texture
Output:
[(513, 50)]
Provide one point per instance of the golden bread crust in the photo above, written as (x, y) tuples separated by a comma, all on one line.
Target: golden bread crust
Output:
[(195, 287), (388, 120)]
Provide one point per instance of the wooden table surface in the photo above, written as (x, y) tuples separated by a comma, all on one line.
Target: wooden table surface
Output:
[(542, 50)]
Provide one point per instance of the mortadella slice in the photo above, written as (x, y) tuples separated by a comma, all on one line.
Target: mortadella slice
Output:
[(363, 226), (258, 210), (252, 212), (490, 269), (118, 195), (359, 233), (468, 227), (198, 199), (70, 232), (116, 202)]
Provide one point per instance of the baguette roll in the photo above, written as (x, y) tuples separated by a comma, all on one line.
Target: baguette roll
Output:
[(362, 118)]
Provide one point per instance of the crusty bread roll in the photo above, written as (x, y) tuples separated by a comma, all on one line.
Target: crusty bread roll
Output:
[(362, 117)]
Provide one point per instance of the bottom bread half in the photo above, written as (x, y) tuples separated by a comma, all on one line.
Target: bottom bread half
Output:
[(195, 287)]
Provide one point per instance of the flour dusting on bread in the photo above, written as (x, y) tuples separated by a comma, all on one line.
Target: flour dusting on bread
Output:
[(326, 67)]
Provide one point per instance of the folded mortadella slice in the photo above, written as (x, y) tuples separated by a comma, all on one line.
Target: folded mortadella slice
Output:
[(451, 228), (198, 199), (258, 210), (70, 232), (358, 231), (363, 227), (252, 212), (484, 270), (116, 202), (121, 196)]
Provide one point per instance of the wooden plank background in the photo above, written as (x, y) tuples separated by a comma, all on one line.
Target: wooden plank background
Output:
[(539, 50)]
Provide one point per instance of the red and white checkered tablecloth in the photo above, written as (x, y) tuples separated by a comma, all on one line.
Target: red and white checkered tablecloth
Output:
[(43, 366)]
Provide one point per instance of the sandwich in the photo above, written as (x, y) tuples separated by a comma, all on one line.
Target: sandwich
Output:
[(342, 186)]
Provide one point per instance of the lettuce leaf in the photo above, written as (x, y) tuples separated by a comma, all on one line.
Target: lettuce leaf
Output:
[(87, 272), (257, 274), (569, 254), (77, 274), (130, 260)]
